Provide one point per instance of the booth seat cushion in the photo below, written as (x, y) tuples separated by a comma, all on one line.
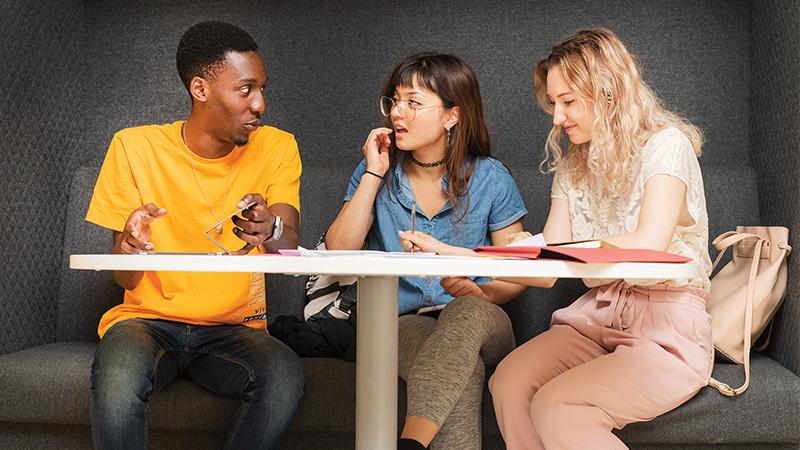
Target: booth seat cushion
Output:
[(50, 384)]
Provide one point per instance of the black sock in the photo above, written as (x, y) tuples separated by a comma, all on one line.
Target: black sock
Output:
[(409, 444)]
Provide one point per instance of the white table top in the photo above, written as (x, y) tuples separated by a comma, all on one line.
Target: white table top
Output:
[(438, 266)]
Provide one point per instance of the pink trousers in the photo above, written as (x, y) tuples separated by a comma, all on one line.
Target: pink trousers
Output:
[(617, 355)]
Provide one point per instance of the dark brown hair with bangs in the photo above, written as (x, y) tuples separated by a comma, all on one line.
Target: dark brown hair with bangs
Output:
[(455, 83)]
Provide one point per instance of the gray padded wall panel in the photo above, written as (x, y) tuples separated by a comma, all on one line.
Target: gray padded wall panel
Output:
[(328, 60), (321, 193), (84, 295), (40, 90), (775, 139)]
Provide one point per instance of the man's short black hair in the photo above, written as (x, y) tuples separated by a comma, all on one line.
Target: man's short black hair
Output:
[(202, 49)]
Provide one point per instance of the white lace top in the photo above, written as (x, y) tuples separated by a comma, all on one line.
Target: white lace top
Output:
[(594, 216)]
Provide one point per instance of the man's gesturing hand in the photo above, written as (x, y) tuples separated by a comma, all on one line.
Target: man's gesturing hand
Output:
[(135, 238)]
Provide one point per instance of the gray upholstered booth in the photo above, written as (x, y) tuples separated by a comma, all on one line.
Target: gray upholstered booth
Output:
[(74, 72)]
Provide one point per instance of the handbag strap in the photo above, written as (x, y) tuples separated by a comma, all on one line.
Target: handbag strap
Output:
[(722, 243), (727, 239), (723, 388)]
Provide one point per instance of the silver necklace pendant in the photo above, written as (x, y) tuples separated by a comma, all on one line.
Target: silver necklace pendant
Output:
[(218, 227)]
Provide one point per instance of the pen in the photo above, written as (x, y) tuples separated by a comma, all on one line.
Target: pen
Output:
[(413, 218), (413, 214)]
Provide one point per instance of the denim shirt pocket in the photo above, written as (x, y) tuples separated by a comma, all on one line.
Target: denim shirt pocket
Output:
[(468, 231)]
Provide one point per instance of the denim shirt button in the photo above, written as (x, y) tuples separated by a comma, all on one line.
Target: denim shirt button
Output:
[(428, 281), (428, 299)]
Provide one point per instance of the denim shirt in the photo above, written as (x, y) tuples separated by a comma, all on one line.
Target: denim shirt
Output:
[(493, 203)]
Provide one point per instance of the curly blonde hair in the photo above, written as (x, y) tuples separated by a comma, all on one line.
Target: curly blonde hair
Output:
[(598, 68)]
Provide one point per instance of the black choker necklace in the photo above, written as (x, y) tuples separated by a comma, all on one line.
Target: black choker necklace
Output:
[(426, 165)]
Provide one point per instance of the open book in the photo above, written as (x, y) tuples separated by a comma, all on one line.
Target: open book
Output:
[(595, 251), (594, 243)]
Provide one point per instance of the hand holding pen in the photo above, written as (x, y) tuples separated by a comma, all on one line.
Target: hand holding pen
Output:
[(417, 241)]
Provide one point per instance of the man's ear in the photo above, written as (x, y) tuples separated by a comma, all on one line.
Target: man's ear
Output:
[(198, 89), (452, 117)]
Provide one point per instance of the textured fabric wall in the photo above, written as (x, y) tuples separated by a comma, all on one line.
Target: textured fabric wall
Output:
[(40, 90), (775, 141), (328, 61), (83, 295)]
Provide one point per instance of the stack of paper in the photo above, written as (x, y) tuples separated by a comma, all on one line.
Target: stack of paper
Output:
[(373, 253)]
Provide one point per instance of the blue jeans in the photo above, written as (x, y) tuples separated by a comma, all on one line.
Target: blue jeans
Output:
[(138, 357)]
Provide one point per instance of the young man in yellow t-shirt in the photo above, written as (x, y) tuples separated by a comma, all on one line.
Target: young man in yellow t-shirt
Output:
[(159, 188)]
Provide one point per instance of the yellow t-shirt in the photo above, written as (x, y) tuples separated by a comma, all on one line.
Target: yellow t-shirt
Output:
[(151, 164)]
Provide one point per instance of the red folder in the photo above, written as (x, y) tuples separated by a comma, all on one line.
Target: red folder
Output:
[(585, 255)]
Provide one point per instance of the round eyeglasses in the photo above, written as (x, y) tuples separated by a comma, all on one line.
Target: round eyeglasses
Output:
[(406, 108)]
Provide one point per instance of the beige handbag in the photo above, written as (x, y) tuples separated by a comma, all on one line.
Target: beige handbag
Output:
[(746, 293)]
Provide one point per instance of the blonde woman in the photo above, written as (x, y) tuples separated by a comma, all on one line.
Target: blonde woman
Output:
[(627, 350)]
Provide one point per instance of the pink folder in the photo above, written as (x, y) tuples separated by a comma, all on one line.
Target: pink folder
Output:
[(585, 255)]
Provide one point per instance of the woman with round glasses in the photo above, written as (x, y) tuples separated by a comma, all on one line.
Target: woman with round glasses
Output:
[(432, 159)]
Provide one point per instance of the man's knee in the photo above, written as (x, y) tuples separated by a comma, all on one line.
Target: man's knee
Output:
[(118, 390), (125, 356), (124, 365)]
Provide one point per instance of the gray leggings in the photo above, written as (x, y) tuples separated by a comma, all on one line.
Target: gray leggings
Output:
[(444, 362)]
